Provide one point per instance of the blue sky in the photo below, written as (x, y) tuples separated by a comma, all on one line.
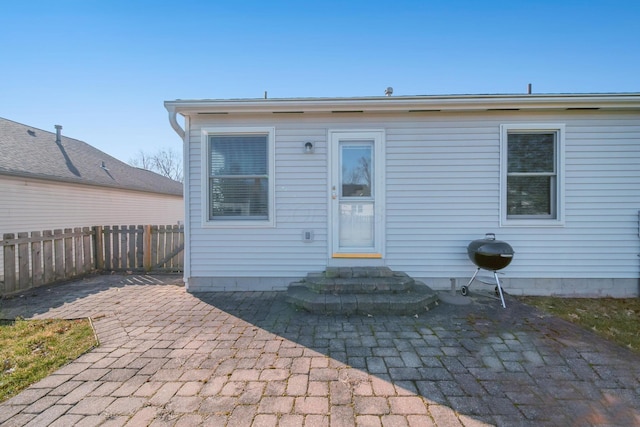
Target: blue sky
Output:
[(102, 69)]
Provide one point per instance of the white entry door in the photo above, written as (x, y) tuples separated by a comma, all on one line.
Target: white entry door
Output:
[(357, 194)]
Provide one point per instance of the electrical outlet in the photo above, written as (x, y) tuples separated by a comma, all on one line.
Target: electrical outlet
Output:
[(307, 236)]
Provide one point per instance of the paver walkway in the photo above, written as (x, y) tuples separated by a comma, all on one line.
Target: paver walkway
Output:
[(170, 358)]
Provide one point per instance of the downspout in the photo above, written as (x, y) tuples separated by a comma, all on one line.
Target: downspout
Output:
[(174, 122), (185, 185), (187, 222)]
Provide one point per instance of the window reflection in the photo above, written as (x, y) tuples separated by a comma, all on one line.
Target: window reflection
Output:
[(357, 171)]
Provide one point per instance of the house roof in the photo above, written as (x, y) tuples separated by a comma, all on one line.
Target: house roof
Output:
[(421, 103), (34, 153)]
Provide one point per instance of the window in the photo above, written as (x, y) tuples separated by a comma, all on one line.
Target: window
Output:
[(532, 164), (239, 176)]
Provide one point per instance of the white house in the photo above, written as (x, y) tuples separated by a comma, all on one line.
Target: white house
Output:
[(51, 181), (278, 188)]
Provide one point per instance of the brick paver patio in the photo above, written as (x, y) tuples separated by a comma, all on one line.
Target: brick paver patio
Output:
[(170, 358)]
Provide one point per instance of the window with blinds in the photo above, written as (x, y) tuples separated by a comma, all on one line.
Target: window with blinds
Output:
[(238, 177), (531, 174)]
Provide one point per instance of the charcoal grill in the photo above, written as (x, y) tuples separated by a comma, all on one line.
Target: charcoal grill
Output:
[(491, 255)]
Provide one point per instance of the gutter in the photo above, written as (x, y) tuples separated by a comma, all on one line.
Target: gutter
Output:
[(630, 101)]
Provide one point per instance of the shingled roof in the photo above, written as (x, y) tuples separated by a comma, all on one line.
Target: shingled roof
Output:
[(34, 153)]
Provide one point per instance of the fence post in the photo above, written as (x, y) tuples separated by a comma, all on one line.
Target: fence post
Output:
[(58, 249), (132, 247), (77, 246), (154, 246), (86, 249), (36, 259), (162, 245), (47, 256), (68, 253), (139, 247), (98, 247), (181, 241), (176, 244), (107, 247), (23, 263), (146, 250), (115, 250), (171, 247), (124, 256), (9, 264)]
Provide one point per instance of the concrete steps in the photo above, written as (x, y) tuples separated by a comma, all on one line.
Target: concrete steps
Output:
[(361, 290)]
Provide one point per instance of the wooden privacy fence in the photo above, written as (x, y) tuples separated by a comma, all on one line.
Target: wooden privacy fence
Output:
[(40, 258), (35, 259)]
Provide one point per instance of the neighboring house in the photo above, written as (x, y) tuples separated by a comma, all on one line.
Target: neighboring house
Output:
[(278, 188), (50, 181)]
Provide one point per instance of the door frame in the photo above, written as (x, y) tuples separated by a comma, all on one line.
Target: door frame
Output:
[(377, 253)]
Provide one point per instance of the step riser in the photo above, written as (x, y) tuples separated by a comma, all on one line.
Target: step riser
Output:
[(361, 290), (361, 304), (357, 272), (365, 285)]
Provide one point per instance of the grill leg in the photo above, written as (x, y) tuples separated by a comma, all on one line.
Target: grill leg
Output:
[(473, 277), (465, 289), (499, 289)]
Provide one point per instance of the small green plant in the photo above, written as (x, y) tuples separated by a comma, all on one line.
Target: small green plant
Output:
[(615, 319), (32, 349)]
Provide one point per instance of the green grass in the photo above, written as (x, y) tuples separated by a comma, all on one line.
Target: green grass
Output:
[(32, 349), (616, 319)]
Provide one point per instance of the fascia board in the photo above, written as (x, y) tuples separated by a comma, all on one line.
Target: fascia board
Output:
[(404, 104)]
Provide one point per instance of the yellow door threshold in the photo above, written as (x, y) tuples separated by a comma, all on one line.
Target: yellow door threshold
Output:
[(359, 256)]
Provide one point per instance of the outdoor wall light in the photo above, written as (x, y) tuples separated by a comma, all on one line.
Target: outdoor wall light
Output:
[(308, 148)]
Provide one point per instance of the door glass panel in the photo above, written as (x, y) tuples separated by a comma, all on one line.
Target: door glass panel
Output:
[(356, 225), (356, 170), (356, 204)]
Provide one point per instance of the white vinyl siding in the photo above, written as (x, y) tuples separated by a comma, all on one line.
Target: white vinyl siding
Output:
[(301, 205), (442, 187), (36, 205)]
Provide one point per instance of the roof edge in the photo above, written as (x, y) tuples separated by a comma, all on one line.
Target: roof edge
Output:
[(407, 103)]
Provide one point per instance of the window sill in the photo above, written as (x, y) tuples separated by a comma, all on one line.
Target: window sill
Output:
[(531, 223), (238, 224)]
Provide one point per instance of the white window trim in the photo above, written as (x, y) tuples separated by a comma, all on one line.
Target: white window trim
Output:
[(204, 141), (559, 129)]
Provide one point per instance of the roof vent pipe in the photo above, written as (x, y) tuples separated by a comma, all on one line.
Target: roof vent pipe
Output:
[(388, 91), (529, 89), (58, 129)]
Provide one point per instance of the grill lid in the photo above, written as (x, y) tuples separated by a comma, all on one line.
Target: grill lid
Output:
[(497, 248), (489, 253)]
